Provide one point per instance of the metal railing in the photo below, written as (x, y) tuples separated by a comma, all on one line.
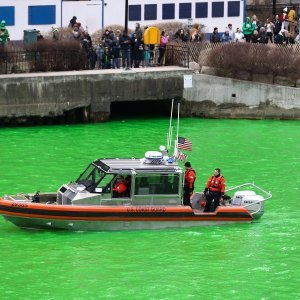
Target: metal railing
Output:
[(35, 61), (177, 53), (48, 61)]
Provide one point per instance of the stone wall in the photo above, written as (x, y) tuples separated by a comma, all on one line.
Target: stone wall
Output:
[(218, 97)]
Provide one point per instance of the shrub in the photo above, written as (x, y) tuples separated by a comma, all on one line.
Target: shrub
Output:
[(63, 55), (255, 59)]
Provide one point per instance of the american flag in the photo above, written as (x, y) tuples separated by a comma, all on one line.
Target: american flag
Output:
[(181, 156), (184, 144)]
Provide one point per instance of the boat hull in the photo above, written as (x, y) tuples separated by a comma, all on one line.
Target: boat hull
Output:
[(48, 224), (110, 218)]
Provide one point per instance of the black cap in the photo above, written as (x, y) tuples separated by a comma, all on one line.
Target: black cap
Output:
[(187, 164)]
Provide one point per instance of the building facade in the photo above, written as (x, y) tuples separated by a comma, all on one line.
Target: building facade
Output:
[(41, 15)]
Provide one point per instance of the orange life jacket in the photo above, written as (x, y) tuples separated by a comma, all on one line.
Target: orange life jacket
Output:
[(189, 178), (120, 188), (216, 184)]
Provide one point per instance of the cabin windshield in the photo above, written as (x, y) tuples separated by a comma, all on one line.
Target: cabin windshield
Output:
[(91, 177)]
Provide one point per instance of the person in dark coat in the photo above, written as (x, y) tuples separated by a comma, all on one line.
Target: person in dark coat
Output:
[(125, 49), (72, 22), (215, 37)]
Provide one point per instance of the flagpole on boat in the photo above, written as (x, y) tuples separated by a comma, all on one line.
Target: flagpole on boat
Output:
[(177, 133), (169, 137)]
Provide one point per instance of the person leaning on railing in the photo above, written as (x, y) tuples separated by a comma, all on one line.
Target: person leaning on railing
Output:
[(164, 40)]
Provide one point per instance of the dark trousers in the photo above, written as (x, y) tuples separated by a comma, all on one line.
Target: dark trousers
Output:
[(162, 51), (126, 58), (248, 38), (186, 196), (212, 201)]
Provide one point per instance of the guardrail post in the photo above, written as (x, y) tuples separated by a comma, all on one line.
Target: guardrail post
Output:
[(172, 55), (6, 63), (35, 66), (188, 58)]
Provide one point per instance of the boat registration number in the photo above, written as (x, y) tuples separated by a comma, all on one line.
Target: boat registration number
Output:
[(19, 204)]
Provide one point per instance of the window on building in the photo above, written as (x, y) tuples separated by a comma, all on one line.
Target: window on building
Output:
[(168, 11), (41, 15), (135, 12), (150, 12), (233, 8), (185, 10), (7, 13), (201, 10), (217, 9)]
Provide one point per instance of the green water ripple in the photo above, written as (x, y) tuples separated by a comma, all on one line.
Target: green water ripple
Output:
[(238, 261)]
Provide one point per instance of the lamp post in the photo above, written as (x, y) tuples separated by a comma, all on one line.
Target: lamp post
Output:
[(274, 8), (126, 15), (102, 24), (61, 13)]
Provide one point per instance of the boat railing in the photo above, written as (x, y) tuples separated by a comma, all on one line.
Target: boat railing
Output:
[(17, 197), (267, 195)]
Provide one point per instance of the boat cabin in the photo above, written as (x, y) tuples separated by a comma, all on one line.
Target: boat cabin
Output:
[(153, 180)]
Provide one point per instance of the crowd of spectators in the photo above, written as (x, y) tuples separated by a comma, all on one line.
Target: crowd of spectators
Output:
[(124, 49), (283, 29), (119, 49)]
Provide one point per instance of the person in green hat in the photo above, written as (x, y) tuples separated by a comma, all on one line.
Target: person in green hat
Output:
[(248, 28), (4, 34)]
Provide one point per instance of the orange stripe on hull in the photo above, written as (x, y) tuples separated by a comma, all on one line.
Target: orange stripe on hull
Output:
[(56, 212), (112, 209)]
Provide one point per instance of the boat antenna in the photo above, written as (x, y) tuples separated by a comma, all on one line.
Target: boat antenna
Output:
[(169, 137), (177, 133)]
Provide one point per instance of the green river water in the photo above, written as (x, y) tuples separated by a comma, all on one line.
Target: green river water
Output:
[(240, 261)]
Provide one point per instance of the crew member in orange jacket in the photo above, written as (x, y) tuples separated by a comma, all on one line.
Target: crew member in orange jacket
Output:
[(189, 180), (120, 187), (214, 191)]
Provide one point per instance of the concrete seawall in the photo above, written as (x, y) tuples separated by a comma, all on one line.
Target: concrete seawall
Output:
[(215, 97), (92, 93), (54, 94)]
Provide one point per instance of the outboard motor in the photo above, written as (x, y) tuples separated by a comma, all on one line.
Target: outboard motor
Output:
[(251, 201)]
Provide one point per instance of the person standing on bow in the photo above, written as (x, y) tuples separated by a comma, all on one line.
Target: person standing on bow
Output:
[(189, 180), (214, 191)]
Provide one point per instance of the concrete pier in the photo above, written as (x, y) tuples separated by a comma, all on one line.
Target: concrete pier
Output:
[(92, 92)]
